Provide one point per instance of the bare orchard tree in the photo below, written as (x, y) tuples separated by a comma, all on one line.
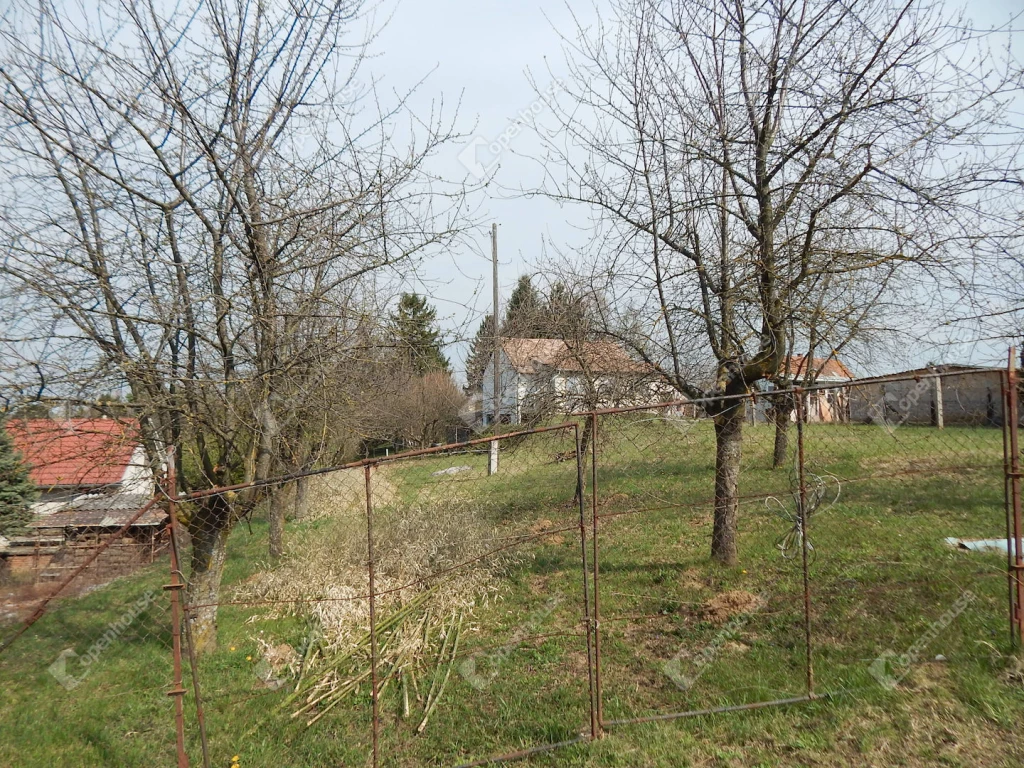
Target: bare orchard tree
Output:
[(843, 316), (737, 151), (190, 191)]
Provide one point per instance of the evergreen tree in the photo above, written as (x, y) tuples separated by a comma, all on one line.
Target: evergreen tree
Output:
[(524, 312), (17, 491), (565, 316), (419, 340), (480, 353)]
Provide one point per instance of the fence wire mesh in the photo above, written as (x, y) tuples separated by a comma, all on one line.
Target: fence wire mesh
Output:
[(458, 604), (86, 631), (430, 610), (889, 476)]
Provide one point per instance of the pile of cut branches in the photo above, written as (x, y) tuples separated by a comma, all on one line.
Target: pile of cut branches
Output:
[(420, 608)]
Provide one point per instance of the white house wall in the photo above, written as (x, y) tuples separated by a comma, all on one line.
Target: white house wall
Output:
[(138, 477)]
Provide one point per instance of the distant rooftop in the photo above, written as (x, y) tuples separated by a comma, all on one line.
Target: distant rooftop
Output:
[(823, 368), (530, 355), (75, 453)]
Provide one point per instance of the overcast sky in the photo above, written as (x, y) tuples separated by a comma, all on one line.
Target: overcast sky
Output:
[(479, 51)]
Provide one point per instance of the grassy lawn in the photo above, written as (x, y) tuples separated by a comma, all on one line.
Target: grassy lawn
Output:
[(677, 632)]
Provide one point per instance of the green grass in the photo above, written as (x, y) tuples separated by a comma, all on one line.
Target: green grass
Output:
[(881, 578)]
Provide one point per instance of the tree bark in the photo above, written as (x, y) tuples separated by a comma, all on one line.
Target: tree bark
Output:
[(264, 462), (728, 444), (783, 410), (276, 504), (585, 437), (209, 530), (301, 509)]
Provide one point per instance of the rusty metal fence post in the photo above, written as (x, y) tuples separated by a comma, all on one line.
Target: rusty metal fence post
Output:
[(587, 622), (1015, 555), (802, 521), (1007, 505), (175, 588), (598, 695), (373, 616)]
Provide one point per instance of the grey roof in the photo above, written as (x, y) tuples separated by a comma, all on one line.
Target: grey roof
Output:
[(945, 368), (102, 511)]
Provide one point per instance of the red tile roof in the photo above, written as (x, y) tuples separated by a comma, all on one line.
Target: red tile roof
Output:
[(75, 452), (823, 368)]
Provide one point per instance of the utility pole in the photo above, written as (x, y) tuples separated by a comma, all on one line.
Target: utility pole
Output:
[(492, 464)]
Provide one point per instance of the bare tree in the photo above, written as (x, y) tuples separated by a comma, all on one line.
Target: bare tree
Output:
[(193, 195), (844, 315), (738, 151), (418, 410)]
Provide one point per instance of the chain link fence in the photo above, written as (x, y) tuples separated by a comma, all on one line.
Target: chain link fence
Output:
[(503, 597), (886, 478)]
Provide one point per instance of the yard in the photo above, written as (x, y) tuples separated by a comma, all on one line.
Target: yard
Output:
[(677, 632)]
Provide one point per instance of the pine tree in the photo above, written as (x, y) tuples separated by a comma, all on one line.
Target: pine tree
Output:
[(524, 312), (17, 491), (480, 353), (566, 315), (419, 340)]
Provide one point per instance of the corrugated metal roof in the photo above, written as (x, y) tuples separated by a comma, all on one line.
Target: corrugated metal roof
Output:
[(111, 511), (950, 368)]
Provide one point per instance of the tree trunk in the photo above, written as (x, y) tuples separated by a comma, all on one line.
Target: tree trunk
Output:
[(209, 531), (728, 443), (276, 504), (585, 436), (783, 409), (264, 463), (301, 510)]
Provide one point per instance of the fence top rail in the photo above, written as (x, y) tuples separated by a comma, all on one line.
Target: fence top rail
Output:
[(373, 461), (376, 461), (818, 387)]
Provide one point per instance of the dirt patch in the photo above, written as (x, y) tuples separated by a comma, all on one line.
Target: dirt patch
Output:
[(932, 465), (693, 579), (539, 584), (615, 498), (725, 605), (542, 526)]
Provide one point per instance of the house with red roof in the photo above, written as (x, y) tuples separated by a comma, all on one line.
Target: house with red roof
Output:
[(822, 403), (72, 457), (822, 370), (827, 380), (93, 477)]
